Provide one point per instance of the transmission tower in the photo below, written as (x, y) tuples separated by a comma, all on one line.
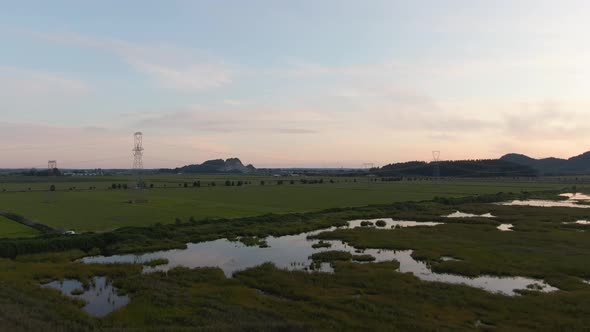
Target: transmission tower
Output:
[(138, 157), (51, 167), (436, 160)]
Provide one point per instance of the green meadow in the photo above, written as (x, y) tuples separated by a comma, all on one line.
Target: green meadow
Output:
[(12, 229), (75, 206)]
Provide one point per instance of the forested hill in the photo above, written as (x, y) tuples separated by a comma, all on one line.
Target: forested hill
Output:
[(457, 168), (231, 165), (578, 165)]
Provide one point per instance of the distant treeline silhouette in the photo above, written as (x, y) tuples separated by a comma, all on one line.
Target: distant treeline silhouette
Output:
[(41, 172), (457, 168)]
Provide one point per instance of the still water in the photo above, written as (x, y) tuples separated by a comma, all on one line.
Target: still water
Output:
[(459, 214), (579, 222), (574, 201), (505, 227), (101, 297), (576, 196), (292, 252)]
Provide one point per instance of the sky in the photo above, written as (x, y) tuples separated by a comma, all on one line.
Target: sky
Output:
[(307, 83)]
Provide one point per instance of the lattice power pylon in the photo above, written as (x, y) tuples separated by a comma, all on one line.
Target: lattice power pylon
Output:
[(138, 157), (138, 151), (436, 160), (51, 167)]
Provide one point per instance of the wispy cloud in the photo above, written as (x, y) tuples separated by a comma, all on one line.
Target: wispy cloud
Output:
[(200, 119), (548, 120), (24, 92), (26, 83), (169, 66)]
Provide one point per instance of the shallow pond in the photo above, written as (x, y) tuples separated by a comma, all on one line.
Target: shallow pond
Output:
[(576, 196), (101, 297), (546, 203), (459, 214), (390, 223), (573, 201), (579, 222), (292, 252), (502, 285), (448, 258)]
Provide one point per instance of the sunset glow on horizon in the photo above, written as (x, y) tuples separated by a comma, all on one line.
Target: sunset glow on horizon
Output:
[(291, 84)]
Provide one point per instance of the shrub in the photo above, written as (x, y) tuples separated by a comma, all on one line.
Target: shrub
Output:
[(156, 262), (363, 258), (330, 256), (321, 244)]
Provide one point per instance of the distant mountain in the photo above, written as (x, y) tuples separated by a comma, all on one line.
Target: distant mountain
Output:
[(231, 165), (458, 168), (578, 165)]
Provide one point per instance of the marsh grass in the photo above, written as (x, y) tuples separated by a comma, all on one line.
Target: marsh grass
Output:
[(321, 244), (156, 262), (251, 241), (331, 256), (363, 258)]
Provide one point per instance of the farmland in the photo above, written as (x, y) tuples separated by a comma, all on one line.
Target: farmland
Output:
[(11, 229), (75, 206)]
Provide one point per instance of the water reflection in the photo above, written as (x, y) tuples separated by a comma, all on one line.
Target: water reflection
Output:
[(579, 222), (390, 223), (292, 252), (101, 297), (573, 201), (459, 214), (502, 285), (545, 203), (448, 258), (505, 227), (576, 196)]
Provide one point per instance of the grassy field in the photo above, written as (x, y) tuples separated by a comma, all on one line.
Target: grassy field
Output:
[(104, 209), (12, 229)]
